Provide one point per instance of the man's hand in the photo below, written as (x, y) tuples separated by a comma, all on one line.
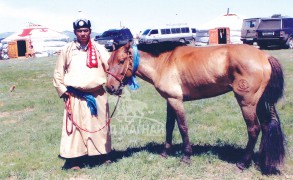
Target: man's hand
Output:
[(65, 96)]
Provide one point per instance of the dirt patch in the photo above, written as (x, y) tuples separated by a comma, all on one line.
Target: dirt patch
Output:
[(15, 113), (9, 121), (4, 114)]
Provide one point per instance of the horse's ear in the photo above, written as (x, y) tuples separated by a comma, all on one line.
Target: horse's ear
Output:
[(128, 45)]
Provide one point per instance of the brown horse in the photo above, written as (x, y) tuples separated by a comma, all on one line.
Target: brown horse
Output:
[(184, 73)]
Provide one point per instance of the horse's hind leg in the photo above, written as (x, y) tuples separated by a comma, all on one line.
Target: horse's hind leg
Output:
[(253, 129), (170, 123), (272, 148)]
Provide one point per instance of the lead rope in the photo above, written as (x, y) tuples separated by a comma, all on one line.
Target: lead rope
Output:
[(69, 117), (118, 98)]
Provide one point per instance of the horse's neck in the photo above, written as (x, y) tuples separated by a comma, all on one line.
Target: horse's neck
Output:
[(146, 69)]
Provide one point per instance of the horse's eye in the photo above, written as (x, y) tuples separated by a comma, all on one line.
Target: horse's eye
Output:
[(121, 61)]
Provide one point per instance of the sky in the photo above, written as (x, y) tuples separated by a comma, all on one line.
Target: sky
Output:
[(137, 15)]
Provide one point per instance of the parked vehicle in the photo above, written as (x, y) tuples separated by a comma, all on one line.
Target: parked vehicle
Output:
[(113, 37), (4, 51), (202, 38), (248, 30), (179, 33), (277, 30)]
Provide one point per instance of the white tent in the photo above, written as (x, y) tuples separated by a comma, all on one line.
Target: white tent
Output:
[(42, 38), (233, 21)]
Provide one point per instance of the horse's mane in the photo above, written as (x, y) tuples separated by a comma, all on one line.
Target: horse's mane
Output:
[(156, 49)]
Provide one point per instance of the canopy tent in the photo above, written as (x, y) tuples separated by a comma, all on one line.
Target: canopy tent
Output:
[(232, 21), (42, 38)]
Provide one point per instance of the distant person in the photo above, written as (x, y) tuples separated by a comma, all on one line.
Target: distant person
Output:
[(31, 52), (222, 36), (78, 78)]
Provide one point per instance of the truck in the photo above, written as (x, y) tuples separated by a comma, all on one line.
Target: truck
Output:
[(275, 31), (248, 30)]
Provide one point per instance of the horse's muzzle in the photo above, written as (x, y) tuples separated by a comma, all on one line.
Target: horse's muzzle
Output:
[(111, 90)]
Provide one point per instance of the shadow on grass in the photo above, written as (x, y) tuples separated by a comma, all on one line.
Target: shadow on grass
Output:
[(228, 153), (225, 152)]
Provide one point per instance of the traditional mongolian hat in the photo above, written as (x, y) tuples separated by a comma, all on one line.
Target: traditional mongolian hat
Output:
[(82, 23)]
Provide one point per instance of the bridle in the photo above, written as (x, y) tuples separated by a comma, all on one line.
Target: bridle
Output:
[(128, 67)]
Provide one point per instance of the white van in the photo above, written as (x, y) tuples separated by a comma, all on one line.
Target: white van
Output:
[(183, 34)]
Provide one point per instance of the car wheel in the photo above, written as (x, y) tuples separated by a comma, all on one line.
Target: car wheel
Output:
[(290, 43), (192, 42), (110, 49), (248, 42), (182, 40), (155, 41), (262, 45)]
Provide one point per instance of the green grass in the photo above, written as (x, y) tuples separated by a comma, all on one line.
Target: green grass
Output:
[(31, 120)]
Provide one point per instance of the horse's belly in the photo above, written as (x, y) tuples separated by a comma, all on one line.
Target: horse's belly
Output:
[(203, 91)]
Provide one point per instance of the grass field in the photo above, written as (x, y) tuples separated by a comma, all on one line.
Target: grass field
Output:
[(31, 120)]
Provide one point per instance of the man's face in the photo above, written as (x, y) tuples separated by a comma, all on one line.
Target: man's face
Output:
[(83, 35)]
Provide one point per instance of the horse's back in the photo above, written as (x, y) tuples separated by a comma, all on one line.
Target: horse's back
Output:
[(219, 60), (211, 71)]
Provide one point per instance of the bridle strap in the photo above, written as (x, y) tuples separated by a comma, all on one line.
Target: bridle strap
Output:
[(116, 77), (120, 80)]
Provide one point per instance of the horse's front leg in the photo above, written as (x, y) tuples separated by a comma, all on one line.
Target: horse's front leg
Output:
[(177, 106), (170, 123)]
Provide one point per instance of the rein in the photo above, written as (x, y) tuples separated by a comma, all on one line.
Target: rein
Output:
[(69, 117)]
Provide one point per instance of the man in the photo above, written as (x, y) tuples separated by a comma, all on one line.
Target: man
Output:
[(78, 78)]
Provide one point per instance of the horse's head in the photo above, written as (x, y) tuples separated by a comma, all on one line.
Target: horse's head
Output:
[(120, 69)]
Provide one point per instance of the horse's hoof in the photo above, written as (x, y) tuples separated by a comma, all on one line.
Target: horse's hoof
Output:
[(164, 155), (186, 160), (241, 166)]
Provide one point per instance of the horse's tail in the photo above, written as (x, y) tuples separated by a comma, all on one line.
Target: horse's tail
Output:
[(272, 147)]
